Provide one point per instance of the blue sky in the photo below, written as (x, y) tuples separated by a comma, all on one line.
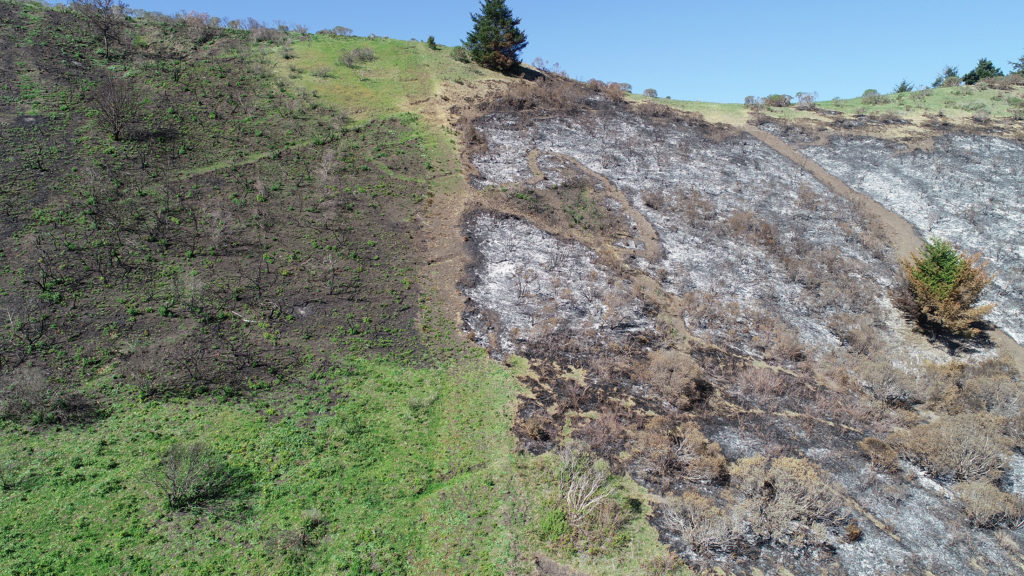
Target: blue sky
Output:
[(712, 50)]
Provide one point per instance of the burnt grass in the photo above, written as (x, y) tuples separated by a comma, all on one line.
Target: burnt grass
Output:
[(709, 281), (236, 235)]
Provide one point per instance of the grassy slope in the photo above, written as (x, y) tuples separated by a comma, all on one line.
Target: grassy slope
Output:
[(408, 468), (958, 104), (359, 464)]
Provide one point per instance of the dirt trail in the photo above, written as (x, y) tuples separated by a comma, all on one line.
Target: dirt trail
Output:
[(644, 231), (901, 234)]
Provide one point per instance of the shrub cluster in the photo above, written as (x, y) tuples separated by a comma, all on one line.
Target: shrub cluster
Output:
[(988, 507), (353, 58), (786, 501), (190, 474), (962, 447), (872, 97)]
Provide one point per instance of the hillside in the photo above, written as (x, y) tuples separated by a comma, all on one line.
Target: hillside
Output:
[(278, 302)]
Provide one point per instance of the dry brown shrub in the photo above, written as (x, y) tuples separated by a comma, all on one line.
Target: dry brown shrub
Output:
[(661, 455), (939, 381), (1007, 542), (853, 532), (988, 507), (998, 396), (604, 434), (699, 460), (702, 524), (654, 110), (612, 90), (671, 376), (886, 382), (654, 200), (555, 94), (787, 489), (758, 118), (1007, 82), (747, 225), (992, 385), (784, 500), (1015, 428), (651, 457), (881, 454), (785, 346), (960, 447), (856, 333), (765, 387)]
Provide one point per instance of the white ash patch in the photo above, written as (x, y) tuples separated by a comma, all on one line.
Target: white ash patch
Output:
[(663, 168), (967, 190), (527, 284), (927, 522), (1015, 474)]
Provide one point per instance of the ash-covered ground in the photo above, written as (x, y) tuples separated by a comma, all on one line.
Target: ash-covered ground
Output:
[(968, 189), (739, 225), (529, 284), (719, 309)]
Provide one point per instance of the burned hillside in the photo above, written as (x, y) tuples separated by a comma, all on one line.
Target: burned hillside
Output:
[(704, 314)]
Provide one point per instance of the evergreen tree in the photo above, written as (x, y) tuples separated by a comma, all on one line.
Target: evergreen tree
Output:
[(946, 285), (496, 40), (984, 69)]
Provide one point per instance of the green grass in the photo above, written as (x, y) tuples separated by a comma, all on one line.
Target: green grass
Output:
[(409, 468), (414, 471), (955, 102), (412, 468), (404, 73), (711, 111)]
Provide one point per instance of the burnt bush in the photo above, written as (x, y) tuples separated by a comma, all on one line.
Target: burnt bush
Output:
[(604, 434), (10, 472), (672, 378), (293, 544), (28, 396), (117, 104), (192, 474), (661, 457), (784, 501), (963, 447), (555, 94), (988, 507)]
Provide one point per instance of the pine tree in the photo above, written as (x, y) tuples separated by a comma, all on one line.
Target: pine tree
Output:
[(496, 40), (984, 69), (946, 285)]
